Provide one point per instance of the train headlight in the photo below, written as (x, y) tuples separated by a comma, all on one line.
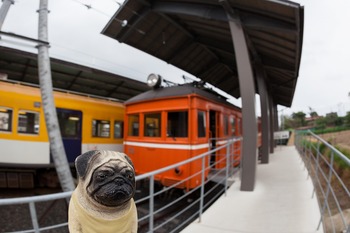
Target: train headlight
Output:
[(178, 171), (154, 80)]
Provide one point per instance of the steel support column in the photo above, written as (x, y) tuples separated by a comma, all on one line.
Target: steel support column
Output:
[(265, 129), (276, 128), (247, 89), (271, 116)]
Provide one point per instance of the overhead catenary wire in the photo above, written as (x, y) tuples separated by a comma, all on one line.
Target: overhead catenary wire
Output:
[(123, 22), (73, 53), (106, 64)]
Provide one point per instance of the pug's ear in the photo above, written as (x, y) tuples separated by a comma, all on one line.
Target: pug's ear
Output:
[(82, 162)]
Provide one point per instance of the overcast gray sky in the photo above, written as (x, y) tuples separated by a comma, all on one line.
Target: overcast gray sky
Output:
[(75, 36)]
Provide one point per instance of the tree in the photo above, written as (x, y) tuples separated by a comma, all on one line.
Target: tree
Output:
[(288, 122), (299, 118), (321, 123), (312, 112), (332, 119), (56, 144), (347, 119)]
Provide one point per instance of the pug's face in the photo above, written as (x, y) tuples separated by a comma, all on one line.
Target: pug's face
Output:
[(113, 183), (108, 177)]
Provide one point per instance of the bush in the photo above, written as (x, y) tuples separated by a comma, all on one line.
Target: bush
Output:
[(342, 164), (327, 152)]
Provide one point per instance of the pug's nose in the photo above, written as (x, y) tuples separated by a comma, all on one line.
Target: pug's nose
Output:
[(119, 181)]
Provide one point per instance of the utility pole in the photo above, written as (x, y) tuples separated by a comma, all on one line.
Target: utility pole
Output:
[(4, 9), (53, 129)]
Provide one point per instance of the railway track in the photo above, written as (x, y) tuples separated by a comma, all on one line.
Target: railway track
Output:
[(174, 207)]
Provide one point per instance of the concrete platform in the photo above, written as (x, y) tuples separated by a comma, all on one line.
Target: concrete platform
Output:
[(280, 203)]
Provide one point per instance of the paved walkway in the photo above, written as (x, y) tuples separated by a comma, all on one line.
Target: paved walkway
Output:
[(280, 203), (291, 139)]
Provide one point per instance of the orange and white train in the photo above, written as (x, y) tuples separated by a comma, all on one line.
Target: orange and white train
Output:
[(86, 123), (167, 125)]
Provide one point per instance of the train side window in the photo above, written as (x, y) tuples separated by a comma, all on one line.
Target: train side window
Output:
[(201, 124), (225, 125), (176, 119), (233, 126), (152, 125), (28, 122), (118, 129), (5, 119), (133, 125), (101, 128)]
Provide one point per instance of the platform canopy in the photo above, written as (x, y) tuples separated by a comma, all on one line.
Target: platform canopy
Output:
[(17, 65), (194, 35)]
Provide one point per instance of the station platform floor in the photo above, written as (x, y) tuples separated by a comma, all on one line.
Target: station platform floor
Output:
[(281, 202)]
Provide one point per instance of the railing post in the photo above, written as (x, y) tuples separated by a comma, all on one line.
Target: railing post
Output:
[(151, 203), (328, 189), (34, 217), (201, 202), (308, 158), (317, 165), (232, 157), (227, 165)]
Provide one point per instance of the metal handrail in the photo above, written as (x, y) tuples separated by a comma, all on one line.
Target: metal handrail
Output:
[(231, 150), (325, 179), (31, 202)]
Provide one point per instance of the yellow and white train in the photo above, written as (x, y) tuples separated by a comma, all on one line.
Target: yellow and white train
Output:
[(86, 123)]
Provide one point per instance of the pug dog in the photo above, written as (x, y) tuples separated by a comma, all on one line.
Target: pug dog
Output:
[(103, 199)]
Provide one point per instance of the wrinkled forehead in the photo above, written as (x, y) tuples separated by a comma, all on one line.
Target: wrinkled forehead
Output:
[(113, 163), (107, 158)]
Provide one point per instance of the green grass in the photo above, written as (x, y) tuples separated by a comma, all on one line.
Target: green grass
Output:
[(330, 130), (327, 152), (339, 161)]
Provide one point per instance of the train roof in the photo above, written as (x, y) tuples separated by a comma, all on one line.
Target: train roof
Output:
[(180, 90)]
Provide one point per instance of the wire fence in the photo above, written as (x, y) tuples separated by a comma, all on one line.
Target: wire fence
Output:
[(330, 173)]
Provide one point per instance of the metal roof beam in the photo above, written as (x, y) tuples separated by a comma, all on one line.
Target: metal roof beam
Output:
[(212, 12), (198, 10)]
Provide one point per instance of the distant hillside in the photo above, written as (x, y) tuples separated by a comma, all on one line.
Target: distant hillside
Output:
[(341, 139)]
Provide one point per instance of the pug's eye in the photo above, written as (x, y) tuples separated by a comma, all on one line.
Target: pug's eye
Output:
[(130, 175), (103, 175)]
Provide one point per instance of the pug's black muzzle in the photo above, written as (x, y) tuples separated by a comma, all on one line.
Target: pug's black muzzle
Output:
[(115, 190)]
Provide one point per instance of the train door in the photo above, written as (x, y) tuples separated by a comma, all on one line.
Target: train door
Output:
[(70, 122), (213, 121)]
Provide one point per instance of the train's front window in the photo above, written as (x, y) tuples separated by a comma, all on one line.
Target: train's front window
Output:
[(152, 125), (177, 125), (28, 122), (133, 125), (5, 119)]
